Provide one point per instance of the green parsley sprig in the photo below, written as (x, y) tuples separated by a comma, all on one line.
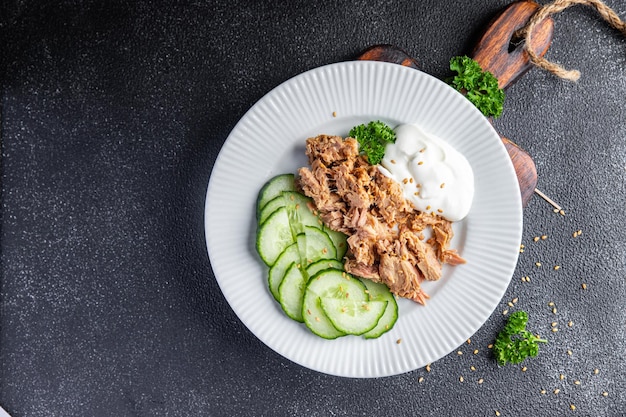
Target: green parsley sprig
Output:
[(372, 138), (514, 343), (480, 87)]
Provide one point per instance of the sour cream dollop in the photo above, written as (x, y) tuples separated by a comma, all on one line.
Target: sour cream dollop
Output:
[(434, 176)]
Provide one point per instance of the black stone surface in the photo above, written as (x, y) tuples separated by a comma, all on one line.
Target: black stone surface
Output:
[(113, 113)]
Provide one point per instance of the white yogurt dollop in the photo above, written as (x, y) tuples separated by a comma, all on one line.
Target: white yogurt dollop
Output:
[(434, 176)]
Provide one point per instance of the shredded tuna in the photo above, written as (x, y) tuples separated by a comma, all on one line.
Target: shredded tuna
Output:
[(386, 234)]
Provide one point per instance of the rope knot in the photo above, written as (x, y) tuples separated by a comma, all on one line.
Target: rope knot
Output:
[(555, 7)]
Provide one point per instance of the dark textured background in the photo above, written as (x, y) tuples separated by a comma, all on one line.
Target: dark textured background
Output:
[(112, 116)]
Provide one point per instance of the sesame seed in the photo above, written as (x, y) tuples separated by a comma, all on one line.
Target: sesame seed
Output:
[(469, 341), (605, 394), (536, 238), (439, 210), (556, 391), (420, 379), (538, 263), (334, 114), (515, 300), (572, 407), (475, 351), (490, 346), (420, 163), (544, 237), (459, 353), (317, 319), (584, 286), (543, 391), (570, 323), (554, 310), (557, 267), (524, 369), (497, 413), (480, 380), (505, 312), (393, 161), (562, 212), (569, 352), (422, 150), (554, 330), (510, 304), (461, 379), (472, 368), (427, 367), (561, 377), (576, 382), (551, 303), (399, 341), (554, 323), (596, 371), (427, 207), (443, 184)]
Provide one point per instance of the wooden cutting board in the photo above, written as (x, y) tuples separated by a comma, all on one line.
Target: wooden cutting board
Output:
[(500, 52)]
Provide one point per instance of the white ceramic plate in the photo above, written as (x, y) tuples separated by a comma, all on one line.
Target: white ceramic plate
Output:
[(269, 140)]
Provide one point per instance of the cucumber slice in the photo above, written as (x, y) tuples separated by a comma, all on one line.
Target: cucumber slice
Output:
[(328, 283), (279, 269), (315, 318), (314, 244), (334, 283), (299, 212), (339, 240), (270, 207), (380, 292), (297, 204), (273, 188), (291, 292), (322, 264), (273, 236), (351, 316)]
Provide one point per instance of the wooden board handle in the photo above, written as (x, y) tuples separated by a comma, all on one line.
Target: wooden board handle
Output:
[(501, 52)]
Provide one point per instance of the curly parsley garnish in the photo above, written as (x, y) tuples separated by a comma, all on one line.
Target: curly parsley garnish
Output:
[(514, 343), (480, 87), (372, 139)]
